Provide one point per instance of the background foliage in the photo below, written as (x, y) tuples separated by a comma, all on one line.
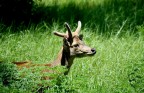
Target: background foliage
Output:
[(104, 14)]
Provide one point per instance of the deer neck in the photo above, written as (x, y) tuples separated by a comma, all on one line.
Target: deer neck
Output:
[(63, 59)]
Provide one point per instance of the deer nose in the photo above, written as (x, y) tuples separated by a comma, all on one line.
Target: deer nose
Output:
[(93, 50)]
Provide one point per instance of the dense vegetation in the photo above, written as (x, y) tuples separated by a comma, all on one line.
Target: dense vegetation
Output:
[(114, 27)]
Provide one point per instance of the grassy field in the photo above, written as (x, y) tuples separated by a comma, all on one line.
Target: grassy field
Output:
[(117, 66), (117, 36)]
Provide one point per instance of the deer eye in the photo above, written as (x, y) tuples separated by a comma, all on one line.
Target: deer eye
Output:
[(76, 45)]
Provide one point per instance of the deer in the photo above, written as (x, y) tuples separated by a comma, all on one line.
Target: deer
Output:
[(73, 47)]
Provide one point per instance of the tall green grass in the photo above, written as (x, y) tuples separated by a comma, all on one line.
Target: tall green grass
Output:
[(113, 27), (117, 66)]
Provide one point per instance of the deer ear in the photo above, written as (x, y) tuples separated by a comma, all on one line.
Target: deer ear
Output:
[(65, 42), (65, 52)]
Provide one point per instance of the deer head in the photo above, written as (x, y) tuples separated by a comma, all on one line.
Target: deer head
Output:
[(73, 45), (74, 41)]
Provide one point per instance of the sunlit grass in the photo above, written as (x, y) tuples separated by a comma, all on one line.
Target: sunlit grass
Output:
[(110, 70), (115, 68)]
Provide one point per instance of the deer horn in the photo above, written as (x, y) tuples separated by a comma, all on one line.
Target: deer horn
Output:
[(60, 34), (78, 28), (70, 39)]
